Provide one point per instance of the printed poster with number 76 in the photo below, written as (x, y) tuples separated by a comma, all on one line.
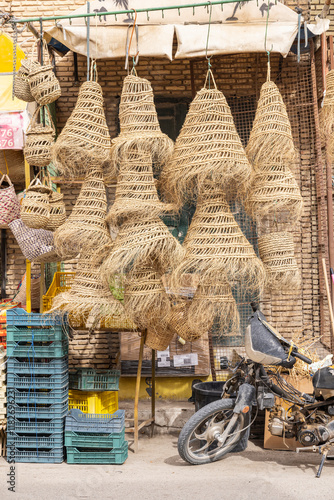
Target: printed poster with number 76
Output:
[(11, 131)]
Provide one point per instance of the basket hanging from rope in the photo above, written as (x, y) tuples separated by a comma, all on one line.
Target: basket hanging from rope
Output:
[(35, 244), (274, 189), (9, 204), (145, 299), (86, 226), (271, 136), (57, 211), (84, 142), (39, 140), (22, 86), (178, 321), (44, 85), (139, 123), (159, 338), (35, 206), (212, 301), (277, 254), (88, 302), (208, 145), (145, 240), (136, 192), (326, 115), (215, 245)]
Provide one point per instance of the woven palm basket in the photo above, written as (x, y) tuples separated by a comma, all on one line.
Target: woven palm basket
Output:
[(215, 245), (178, 321), (85, 139), (277, 254), (35, 210), (274, 189), (147, 240), (86, 226), (22, 86), (136, 192), (39, 140), (271, 136), (213, 300), (326, 115), (159, 338), (88, 300), (57, 211), (145, 299), (208, 145), (139, 123)]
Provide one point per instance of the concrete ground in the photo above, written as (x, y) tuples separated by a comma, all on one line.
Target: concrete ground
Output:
[(157, 472)]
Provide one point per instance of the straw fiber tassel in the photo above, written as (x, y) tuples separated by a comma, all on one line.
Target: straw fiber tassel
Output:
[(178, 322), (145, 299), (86, 226), (215, 244), (212, 301), (208, 145), (145, 240), (139, 124), (327, 114), (88, 301), (277, 254), (84, 141), (271, 136), (136, 193), (274, 189)]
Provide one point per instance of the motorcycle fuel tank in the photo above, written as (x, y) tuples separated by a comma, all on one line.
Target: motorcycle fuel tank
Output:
[(323, 381)]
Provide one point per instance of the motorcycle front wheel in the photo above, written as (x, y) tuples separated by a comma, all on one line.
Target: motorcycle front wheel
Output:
[(202, 439)]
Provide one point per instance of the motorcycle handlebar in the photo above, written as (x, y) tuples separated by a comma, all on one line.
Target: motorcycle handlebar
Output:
[(303, 358)]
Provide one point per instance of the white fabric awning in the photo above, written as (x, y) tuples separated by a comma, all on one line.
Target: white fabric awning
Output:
[(237, 27)]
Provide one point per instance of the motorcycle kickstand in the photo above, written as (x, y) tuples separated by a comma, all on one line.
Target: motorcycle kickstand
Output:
[(323, 459)]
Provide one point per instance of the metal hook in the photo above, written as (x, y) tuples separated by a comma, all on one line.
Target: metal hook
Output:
[(162, 14), (148, 17)]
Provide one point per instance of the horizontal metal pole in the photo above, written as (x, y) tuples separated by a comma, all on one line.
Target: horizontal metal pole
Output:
[(120, 12)]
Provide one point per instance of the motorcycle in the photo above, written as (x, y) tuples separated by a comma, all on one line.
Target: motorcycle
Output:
[(223, 426)]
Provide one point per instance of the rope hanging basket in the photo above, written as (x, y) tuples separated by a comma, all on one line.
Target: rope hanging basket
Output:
[(274, 189), (86, 226), (326, 115), (44, 85), (215, 245), (277, 254), (159, 338), (35, 244), (39, 140), (214, 300), (139, 123), (35, 206), (22, 86), (136, 192), (57, 211), (145, 240), (9, 205), (271, 136), (84, 141), (208, 145)]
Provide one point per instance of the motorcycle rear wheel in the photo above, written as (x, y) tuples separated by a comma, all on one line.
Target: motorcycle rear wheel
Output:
[(198, 443)]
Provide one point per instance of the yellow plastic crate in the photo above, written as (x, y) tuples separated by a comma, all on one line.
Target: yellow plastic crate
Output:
[(60, 283), (93, 402)]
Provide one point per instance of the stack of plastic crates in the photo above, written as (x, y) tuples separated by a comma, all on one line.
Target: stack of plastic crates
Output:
[(95, 438), (37, 386)]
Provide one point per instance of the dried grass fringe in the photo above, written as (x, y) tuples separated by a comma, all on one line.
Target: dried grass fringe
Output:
[(178, 322), (326, 115), (277, 254), (159, 339)]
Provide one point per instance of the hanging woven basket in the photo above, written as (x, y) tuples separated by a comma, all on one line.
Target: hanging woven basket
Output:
[(44, 85), (178, 321), (35, 205), (84, 142), (277, 254), (35, 244), (22, 86), (207, 146), (57, 211), (9, 205), (159, 339), (39, 139)]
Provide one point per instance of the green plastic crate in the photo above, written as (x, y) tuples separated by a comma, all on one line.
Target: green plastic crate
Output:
[(89, 440), (116, 456), (91, 380)]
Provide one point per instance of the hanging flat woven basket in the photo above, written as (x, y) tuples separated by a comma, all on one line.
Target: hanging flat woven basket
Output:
[(9, 205), (44, 85), (22, 86), (35, 206), (36, 244), (39, 139)]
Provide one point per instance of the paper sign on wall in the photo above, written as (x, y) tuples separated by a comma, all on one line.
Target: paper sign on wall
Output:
[(190, 359), (163, 358)]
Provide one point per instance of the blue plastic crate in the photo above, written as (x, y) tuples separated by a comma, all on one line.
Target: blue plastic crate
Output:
[(56, 349), (39, 367), (105, 423), (24, 334), (19, 317), (31, 426), (51, 456), (93, 380), (115, 456), (37, 441), (33, 411), (94, 440), (39, 396), (34, 381)]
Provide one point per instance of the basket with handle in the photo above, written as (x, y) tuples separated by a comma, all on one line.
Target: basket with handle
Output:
[(35, 207), (44, 85), (39, 139), (22, 86), (35, 244), (57, 211), (9, 205)]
